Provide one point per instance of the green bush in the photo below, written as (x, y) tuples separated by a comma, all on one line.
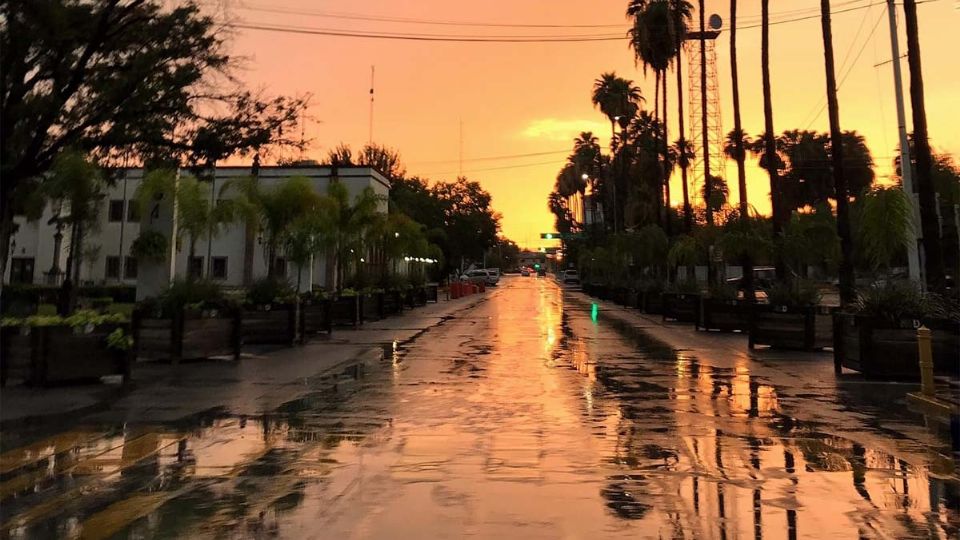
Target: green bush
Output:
[(895, 300), (149, 245), (685, 286), (270, 290), (722, 291), (78, 319), (187, 294), (799, 293)]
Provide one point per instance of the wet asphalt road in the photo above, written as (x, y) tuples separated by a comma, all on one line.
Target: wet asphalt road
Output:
[(522, 417)]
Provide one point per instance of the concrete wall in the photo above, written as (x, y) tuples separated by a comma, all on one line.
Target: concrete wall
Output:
[(35, 239)]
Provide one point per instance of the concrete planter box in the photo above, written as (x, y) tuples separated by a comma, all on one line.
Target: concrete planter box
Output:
[(634, 299), (392, 303), (433, 292), (807, 328), (651, 302), (724, 315), (419, 296), (345, 311), (45, 355), (188, 335), (270, 324), (371, 307), (681, 307), (314, 318), (880, 349), (619, 295)]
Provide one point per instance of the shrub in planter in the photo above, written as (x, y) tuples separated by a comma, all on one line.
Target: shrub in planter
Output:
[(793, 319), (722, 310), (682, 302), (50, 349), (315, 316), (190, 320), (372, 305), (345, 308), (270, 313), (879, 336), (651, 296)]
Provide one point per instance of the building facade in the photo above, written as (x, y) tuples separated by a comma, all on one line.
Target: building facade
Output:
[(39, 248)]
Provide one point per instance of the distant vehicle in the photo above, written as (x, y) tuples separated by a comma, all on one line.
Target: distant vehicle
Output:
[(525, 272), (570, 277), (541, 271), (763, 278), (480, 276)]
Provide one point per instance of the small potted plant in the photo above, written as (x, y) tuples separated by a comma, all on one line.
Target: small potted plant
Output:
[(793, 319)]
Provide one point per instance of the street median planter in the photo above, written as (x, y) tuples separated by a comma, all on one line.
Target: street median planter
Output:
[(724, 315), (681, 307), (314, 318), (651, 302), (883, 349), (806, 328), (433, 292), (634, 298), (47, 355), (371, 307), (190, 334), (270, 324), (345, 311)]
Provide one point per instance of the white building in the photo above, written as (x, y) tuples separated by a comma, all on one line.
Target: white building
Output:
[(34, 248)]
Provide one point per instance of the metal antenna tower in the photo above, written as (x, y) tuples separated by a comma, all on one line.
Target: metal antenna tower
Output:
[(715, 136)]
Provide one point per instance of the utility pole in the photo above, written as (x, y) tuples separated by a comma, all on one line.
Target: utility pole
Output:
[(370, 132), (914, 270), (461, 148)]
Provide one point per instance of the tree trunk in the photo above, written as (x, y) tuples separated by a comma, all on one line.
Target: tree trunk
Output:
[(665, 148), (929, 223), (703, 115), (6, 225), (746, 262), (77, 247), (656, 145), (770, 147), (847, 291), (250, 232), (687, 211)]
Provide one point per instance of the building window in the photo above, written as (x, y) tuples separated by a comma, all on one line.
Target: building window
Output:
[(133, 212), (116, 210), (130, 268), (218, 270), (21, 270), (195, 267), (112, 270), (280, 266)]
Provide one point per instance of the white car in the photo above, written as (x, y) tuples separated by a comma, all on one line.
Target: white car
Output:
[(494, 274), (570, 277), (480, 275), (525, 272)]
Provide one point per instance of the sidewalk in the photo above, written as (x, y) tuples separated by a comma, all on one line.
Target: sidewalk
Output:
[(262, 380), (807, 390)]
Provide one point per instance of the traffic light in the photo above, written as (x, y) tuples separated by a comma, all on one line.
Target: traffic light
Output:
[(536, 266), (549, 236)]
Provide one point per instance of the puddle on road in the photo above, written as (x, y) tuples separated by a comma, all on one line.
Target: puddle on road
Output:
[(529, 422)]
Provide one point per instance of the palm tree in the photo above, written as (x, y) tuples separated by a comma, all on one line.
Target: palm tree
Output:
[(349, 224), (616, 98), (769, 144), (847, 290), (933, 256), (682, 13)]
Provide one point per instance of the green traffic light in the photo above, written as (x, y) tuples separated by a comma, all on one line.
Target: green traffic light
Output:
[(549, 236)]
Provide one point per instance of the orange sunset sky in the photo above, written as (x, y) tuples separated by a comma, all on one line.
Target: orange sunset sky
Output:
[(534, 98)]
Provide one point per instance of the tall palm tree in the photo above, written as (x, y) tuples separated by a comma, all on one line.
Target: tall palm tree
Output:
[(738, 152), (682, 11), (847, 290), (933, 256), (769, 143), (703, 109), (654, 40), (616, 97)]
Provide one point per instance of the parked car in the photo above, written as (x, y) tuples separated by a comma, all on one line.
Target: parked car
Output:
[(480, 275), (525, 272), (763, 278), (570, 277), (494, 275)]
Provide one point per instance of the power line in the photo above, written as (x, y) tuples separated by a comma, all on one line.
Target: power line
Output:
[(425, 37), (495, 158), (501, 168)]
